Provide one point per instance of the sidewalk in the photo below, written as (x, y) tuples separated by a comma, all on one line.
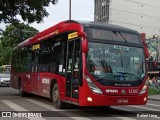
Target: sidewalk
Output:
[(154, 97)]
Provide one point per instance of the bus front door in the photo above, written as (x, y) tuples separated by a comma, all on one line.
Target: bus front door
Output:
[(73, 68)]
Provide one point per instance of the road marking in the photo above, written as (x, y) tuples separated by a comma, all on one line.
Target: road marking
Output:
[(66, 113), (16, 107), (145, 108), (13, 105), (120, 108), (125, 118), (153, 105), (124, 109), (52, 108)]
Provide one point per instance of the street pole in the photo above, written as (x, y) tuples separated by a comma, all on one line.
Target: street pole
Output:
[(158, 45), (69, 9)]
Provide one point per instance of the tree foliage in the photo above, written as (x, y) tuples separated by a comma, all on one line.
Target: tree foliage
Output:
[(14, 34), (29, 10)]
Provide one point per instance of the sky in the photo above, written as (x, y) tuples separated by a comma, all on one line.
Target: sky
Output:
[(81, 10)]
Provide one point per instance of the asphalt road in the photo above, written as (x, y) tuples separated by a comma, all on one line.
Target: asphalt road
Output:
[(42, 109)]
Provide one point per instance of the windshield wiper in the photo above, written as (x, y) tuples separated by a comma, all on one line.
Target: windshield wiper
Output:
[(131, 74), (123, 36)]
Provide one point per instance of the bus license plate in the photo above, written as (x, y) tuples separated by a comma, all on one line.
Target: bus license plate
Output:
[(122, 101)]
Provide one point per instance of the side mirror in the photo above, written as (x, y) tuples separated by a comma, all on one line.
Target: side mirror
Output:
[(84, 42)]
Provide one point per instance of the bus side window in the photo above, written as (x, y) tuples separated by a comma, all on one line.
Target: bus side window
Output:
[(44, 56), (43, 63), (26, 57), (13, 61), (55, 58), (35, 60), (18, 62)]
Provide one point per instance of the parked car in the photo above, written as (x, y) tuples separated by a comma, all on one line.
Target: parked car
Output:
[(5, 80), (5, 69), (158, 79)]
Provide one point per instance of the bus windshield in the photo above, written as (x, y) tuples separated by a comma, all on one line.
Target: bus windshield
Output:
[(108, 62)]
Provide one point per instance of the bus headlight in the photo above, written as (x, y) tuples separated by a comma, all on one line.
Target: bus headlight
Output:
[(92, 86), (144, 88)]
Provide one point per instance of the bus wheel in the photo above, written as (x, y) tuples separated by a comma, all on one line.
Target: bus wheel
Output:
[(21, 92), (56, 98)]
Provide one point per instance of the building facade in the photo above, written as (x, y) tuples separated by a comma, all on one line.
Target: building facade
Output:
[(101, 11), (140, 15)]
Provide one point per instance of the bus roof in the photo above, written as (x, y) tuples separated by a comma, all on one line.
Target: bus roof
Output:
[(108, 27), (50, 31)]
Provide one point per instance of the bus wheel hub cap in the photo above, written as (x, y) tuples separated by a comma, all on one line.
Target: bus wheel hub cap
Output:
[(55, 96)]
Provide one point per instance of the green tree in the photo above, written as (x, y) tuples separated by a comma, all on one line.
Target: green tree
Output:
[(29, 10), (14, 34)]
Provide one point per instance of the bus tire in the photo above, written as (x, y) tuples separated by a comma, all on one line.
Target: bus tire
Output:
[(56, 97), (21, 92)]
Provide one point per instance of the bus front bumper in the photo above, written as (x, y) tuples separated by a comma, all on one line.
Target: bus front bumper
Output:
[(104, 100)]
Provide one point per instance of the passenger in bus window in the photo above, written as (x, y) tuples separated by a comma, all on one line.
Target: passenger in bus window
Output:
[(154, 80), (151, 58), (155, 63), (138, 68), (109, 69), (109, 74)]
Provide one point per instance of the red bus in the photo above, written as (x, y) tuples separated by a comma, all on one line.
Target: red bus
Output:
[(82, 63)]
